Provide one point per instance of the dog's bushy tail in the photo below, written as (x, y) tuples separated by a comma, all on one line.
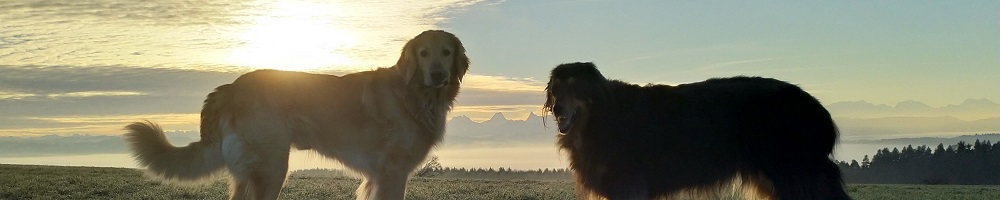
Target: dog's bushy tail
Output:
[(149, 146)]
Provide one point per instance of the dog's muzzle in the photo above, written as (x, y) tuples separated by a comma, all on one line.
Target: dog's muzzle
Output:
[(439, 79), (566, 122)]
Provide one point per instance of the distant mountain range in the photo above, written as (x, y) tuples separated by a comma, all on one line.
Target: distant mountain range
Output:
[(910, 126), (498, 130), (991, 137), (970, 109), (908, 119)]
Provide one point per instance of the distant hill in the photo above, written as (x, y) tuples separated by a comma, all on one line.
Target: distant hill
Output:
[(537, 130), (969, 110), (992, 137), (909, 126)]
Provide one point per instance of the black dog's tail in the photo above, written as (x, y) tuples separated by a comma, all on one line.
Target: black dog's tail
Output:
[(797, 161), (817, 179)]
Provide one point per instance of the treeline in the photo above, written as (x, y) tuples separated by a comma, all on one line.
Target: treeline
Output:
[(964, 163), (501, 173)]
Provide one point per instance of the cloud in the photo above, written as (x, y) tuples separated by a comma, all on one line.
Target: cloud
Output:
[(694, 51), (480, 113), (164, 119), (498, 108), (199, 34), (14, 95), (161, 12), (95, 94), (38, 131), (80, 94), (99, 100), (502, 83), (48, 91), (483, 95), (92, 124), (74, 81), (715, 66)]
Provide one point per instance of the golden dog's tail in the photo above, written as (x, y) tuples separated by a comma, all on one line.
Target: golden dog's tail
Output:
[(196, 161), (151, 149)]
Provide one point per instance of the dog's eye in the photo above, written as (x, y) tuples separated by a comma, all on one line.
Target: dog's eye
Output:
[(423, 53), (445, 52)]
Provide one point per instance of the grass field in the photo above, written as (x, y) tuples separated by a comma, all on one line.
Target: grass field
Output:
[(56, 182)]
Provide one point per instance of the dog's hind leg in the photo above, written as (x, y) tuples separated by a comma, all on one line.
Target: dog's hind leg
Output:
[(365, 190), (239, 189), (391, 185), (258, 167), (240, 164), (382, 187), (390, 176), (269, 176)]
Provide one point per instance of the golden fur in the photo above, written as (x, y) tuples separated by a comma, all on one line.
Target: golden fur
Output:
[(379, 123)]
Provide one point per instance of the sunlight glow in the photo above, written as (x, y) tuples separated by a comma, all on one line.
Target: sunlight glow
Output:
[(294, 35)]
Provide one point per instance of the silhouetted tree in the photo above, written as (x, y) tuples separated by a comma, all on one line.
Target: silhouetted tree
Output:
[(431, 168), (962, 163), (866, 163)]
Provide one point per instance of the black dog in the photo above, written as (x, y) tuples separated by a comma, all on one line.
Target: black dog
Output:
[(627, 141)]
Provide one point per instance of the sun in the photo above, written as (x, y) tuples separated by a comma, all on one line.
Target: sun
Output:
[(296, 36)]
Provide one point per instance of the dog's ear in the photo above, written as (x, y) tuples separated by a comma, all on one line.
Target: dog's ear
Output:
[(461, 62), (407, 63), (547, 106)]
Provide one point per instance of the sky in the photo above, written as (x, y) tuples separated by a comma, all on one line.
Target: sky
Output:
[(91, 66)]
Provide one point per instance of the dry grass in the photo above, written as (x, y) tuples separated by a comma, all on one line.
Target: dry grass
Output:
[(55, 182)]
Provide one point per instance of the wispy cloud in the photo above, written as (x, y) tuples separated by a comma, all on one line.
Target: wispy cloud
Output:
[(180, 118), (206, 34), (502, 83), (80, 94), (483, 95), (499, 108), (95, 124), (697, 50), (14, 95), (92, 81), (95, 94), (104, 98), (715, 66), (61, 130)]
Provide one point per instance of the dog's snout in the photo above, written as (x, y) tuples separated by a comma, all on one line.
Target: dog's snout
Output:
[(438, 76)]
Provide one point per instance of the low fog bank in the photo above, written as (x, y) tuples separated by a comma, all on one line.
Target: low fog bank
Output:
[(497, 142)]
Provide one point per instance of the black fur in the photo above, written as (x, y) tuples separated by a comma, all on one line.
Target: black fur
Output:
[(650, 141)]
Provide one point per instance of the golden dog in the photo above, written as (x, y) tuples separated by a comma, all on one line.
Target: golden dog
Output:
[(379, 123)]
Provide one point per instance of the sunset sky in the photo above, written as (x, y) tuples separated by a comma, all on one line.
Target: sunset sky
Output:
[(89, 67)]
